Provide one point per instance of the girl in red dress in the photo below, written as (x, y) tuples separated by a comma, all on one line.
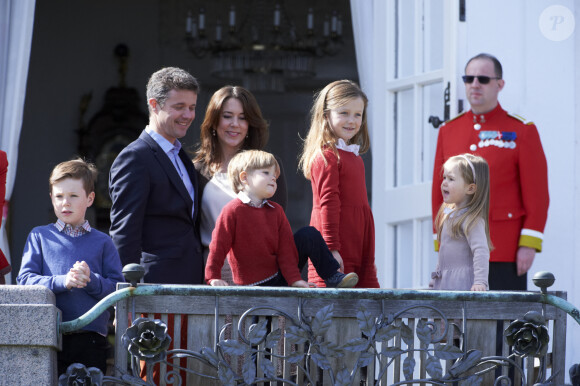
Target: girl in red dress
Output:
[(5, 267), (330, 160)]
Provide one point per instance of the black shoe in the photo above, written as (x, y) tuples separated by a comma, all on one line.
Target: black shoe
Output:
[(340, 280)]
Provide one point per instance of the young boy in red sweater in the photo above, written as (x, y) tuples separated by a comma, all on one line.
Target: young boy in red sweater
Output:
[(255, 235)]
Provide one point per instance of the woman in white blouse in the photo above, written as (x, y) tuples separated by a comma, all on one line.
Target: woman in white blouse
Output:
[(233, 122)]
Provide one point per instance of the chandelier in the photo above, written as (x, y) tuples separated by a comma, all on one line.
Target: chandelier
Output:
[(265, 49)]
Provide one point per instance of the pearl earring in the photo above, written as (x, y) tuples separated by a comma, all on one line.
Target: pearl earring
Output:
[(213, 132)]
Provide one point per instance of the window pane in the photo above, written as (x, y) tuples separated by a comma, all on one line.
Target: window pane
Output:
[(404, 255), (432, 106), (404, 138), (405, 38), (433, 35)]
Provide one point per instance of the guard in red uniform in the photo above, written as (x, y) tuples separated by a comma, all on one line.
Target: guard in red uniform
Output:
[(518, 172)]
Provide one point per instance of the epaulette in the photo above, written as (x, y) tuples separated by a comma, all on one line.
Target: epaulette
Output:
[(521, 119), (455, 117)]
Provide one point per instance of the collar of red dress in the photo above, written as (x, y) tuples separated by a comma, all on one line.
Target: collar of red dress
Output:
[(482, 118)]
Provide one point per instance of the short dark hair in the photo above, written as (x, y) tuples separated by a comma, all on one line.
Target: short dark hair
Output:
[(496, 64), (167, 79), (77, 169)]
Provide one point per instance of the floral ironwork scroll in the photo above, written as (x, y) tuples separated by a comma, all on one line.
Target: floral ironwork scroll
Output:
[(147, 340)]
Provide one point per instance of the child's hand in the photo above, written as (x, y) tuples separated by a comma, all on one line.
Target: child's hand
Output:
[(218, 283), (303, 284), (83, 269), (478, 287), (338, 258), (78, 276), (70, 281)]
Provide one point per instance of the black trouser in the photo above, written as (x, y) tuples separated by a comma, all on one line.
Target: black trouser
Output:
[(85, 347), (310, 244), (504, 277)]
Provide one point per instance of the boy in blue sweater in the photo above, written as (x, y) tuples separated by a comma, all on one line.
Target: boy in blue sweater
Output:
[(79, 264)]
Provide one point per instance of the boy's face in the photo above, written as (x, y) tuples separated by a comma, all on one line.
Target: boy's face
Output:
[(70, 201), (261, 183)]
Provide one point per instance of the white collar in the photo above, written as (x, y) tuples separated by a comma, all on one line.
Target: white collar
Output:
[(163, 142), (243, 196), (340, 144)]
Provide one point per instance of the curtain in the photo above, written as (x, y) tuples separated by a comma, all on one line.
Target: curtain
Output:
[(362, 25), (16, 23)]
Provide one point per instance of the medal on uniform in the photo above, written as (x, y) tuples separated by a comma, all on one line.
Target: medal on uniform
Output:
[(501, 139)]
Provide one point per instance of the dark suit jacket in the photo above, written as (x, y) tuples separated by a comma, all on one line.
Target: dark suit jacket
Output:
[(151, 222)]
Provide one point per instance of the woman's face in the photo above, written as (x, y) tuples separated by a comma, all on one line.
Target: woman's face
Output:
[(232, 126)]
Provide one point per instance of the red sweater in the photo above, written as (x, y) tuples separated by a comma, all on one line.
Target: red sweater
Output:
[(257, 241)]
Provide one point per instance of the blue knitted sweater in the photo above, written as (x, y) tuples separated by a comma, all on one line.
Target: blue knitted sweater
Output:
[(50, 254)]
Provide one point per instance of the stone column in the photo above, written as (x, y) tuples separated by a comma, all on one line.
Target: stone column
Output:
[(29, 339)]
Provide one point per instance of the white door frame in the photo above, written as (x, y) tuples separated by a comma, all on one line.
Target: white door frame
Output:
[(394, 204)]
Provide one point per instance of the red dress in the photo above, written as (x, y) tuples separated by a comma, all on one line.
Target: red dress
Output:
[(341, 212), (4, 265)]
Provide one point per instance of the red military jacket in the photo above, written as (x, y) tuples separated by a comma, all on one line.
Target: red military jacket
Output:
[(518, 175)]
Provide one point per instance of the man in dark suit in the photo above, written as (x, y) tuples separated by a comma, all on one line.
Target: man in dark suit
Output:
[(154, 189)]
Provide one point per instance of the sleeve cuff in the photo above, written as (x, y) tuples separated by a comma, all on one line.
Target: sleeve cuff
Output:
[(531, 242), (94, 286)]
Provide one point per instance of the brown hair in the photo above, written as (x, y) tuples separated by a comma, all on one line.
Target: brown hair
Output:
[(76, 169), (209, 152), (320, 135), (496, 64)]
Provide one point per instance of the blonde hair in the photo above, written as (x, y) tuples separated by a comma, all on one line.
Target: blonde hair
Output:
[(76, 169), (478, 206), (248, 161), (320, 135)]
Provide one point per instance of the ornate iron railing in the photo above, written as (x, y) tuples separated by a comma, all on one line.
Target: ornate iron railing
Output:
[(339, 337)]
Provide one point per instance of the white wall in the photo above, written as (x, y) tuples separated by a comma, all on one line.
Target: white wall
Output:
[(542, 86)]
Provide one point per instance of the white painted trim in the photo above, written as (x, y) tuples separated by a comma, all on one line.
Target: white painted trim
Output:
[(381, 120), (406, 83), (533, 233)]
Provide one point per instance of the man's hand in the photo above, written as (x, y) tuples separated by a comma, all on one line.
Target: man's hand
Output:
[(525, 258)]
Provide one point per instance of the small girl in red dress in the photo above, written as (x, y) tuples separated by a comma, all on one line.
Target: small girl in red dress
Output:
[(330, 160)]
